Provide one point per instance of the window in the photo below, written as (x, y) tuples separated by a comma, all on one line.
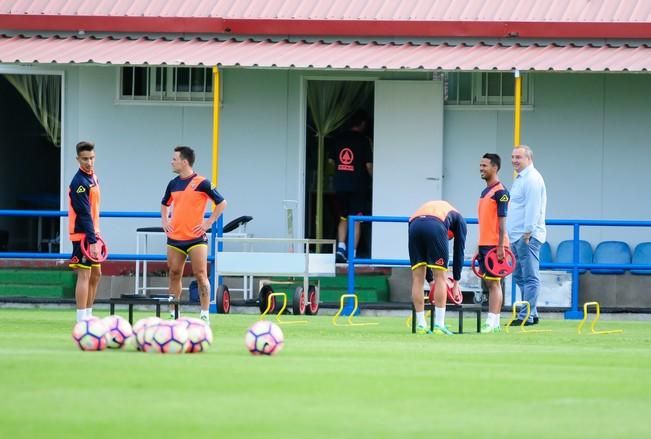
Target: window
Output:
[(172, 84), (484, 88)]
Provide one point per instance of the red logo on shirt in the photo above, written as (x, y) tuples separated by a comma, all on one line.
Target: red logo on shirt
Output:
[(346, 157), (440, 261)]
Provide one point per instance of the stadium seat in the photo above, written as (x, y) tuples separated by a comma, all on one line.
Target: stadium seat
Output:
[(565, 251), (642, 255), (611, 252), (545, 253)]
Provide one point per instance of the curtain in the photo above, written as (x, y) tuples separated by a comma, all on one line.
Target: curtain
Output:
[(331, 103), (43, 95)]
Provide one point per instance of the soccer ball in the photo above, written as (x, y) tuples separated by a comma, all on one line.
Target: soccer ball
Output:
[(140, 328), (199, 334), (90, 334), (168, 337), (118, 330), (264, 338)]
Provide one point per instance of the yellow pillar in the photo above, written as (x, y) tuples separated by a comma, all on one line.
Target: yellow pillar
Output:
[(517, 98), (215, 125)]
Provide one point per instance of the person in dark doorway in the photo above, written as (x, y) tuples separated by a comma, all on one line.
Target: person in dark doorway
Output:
[(352, 158)]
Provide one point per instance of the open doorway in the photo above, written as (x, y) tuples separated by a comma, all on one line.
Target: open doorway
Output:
[(30, 169), (333, 107)]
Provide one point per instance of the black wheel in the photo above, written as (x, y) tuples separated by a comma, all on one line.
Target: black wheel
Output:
[(223, 300), (299, 302), (313, 301), (263, 298)]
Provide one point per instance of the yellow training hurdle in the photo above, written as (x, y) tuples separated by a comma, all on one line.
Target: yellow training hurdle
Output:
[(282, 309), (593, 331), (428, 315), (522, 327), (350, 316)]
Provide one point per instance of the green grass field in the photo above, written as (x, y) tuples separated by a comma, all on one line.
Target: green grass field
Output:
[(373, 381)]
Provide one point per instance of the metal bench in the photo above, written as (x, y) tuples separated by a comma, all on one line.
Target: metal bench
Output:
[(133, 299), (476, 308)]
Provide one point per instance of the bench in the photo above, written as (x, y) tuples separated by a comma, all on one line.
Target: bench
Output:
[(476, 308), (133, 299)]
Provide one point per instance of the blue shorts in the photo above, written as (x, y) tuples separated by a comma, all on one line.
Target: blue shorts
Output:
[(78, 259), (483, 250), (428, 243), (185, 246)]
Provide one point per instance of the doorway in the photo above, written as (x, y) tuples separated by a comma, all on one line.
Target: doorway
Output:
[(30, 171), (332, 105)]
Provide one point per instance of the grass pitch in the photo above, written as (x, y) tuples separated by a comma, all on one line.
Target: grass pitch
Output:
[(368, 381)]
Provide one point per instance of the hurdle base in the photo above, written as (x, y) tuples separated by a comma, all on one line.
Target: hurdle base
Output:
[(573, 315)]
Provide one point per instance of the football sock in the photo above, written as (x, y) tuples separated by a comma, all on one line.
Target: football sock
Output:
[(420, 318), (439, 316)]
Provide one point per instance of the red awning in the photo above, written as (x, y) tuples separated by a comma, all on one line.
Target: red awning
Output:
[(324, 55)]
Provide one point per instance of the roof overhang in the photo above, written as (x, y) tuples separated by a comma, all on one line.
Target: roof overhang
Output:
[(325, 55), (361, 28)]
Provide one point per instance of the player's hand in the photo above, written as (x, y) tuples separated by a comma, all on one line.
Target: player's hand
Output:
[(94, 251), (167, 226), (456, 289), (526, 237), (500, 253), (202, 228)]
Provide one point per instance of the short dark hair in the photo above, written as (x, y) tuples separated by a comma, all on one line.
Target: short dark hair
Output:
[(360, 116), (494, 159), (85, 146), (186, 153)]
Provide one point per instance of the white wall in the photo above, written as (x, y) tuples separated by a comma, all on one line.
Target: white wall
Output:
[(134, 145)]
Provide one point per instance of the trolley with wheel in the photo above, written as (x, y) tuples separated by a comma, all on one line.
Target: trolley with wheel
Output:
[(262, 258)]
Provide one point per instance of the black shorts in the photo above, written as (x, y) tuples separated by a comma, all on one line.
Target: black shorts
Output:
[(185, 246), (483, 250), (78, 260), (428, 243), (351, 203)]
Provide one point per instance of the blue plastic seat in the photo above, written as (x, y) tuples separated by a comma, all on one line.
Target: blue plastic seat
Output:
[(545, 253), (642, 255), (565, 252), (611, 252)]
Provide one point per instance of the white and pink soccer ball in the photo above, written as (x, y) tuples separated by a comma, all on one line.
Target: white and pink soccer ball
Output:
[(167, 337), (264, 338), (118, 331), (199, 334), (90, 334), (140, 328)]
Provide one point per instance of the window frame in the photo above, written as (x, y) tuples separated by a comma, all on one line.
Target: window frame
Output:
[(167, 95), (483, 101)]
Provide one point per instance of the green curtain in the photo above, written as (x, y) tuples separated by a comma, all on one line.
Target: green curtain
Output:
[(43, 95), (331, 103)]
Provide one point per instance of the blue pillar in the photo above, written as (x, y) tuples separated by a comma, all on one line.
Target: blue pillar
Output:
[(574, 313)]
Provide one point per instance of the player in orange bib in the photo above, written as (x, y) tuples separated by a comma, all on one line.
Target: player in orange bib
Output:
[(186, 228), (430, 228), (83, 223), (492, 210)]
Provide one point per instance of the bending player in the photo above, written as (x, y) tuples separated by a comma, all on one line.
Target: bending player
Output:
[(83, 223), (430, 228), (493, 206), (187, 196)]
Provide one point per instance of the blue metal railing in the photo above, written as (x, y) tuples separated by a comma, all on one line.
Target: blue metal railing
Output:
[(573, 313), (216, 231)]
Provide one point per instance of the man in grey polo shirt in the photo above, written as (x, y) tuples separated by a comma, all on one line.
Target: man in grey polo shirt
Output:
[(525, 224)]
